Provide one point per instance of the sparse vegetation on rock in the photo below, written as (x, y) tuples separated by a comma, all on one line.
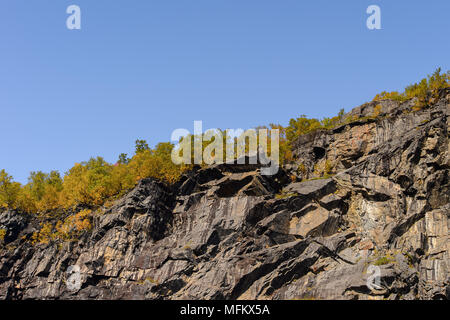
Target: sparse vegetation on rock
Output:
[(365, 192)]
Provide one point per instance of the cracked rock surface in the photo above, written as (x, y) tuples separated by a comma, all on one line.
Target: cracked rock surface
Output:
[(228, 232)]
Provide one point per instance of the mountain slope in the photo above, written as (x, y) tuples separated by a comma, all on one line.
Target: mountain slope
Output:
[(372, 192)]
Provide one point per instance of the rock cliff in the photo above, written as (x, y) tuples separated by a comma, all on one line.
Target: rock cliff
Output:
[(373, 192)]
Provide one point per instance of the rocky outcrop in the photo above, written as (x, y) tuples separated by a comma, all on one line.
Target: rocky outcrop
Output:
[(361, 214)]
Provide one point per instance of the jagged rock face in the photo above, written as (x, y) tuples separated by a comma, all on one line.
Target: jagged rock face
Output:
[(227, 232)]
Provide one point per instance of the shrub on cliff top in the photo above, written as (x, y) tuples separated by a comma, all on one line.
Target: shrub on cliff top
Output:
[(423, 90), (9, 191), (96, 181)]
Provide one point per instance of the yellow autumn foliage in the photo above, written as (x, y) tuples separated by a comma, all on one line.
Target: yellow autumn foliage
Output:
[(423, 91), (67, 230), (96, 182)]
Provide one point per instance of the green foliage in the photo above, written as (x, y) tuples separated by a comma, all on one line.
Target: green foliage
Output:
[(141, 146), (96, 182), (300, 126), (285, 195), (149, 280), (410, 259), (304, 125), (394, 95), (73, 226), (44, 235), (68, 229), (155, 163), (301, 169), (42, 192), (89, 183), (383, 260), (9, 191), (328, 168), (376, 111), (330, 123), (423, 91), (123, 158), (438, 81), (323, 170), (285, 148)]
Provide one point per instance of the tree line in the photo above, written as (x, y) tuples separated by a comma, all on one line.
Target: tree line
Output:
[(95, 182)]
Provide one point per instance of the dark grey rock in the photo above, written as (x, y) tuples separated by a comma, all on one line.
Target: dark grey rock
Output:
[(224, 232)]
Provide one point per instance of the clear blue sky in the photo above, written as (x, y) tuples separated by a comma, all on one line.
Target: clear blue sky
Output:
[(140, 69)]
